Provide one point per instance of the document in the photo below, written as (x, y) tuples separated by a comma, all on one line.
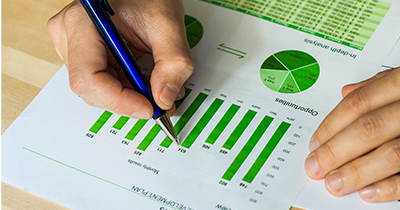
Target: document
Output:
[(266, 74)]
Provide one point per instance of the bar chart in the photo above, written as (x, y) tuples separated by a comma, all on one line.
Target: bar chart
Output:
[(219, 132)]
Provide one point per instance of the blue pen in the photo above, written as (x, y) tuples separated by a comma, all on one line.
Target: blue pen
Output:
[(99, 11)]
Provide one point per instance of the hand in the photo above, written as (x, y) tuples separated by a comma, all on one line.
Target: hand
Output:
[(151, 26), (357, 146)]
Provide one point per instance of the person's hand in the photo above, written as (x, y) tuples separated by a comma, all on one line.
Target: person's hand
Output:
[(357, 146), (150, 26)]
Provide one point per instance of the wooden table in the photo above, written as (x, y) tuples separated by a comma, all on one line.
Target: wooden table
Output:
[(28, 63)]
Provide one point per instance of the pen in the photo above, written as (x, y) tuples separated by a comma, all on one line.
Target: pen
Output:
[(99, 12)]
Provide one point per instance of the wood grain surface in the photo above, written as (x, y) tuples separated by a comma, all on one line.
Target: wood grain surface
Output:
[(28, 63)]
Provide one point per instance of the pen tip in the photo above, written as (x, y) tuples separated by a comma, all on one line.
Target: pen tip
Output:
[(165, 123)]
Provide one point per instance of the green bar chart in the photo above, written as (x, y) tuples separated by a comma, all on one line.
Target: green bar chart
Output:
[(236, 118)]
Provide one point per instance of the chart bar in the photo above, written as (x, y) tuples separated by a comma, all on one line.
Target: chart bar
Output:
[(248, 147), (216, 132), (100, 122), (240, 128), (121, 122), (266, 152), (156, 129), (198, 128), (185, 118), (149, 138), (180, 101), (135, 129)]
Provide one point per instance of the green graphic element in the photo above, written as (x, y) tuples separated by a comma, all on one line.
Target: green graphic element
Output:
[(289, 71), (248, 147), (121, 122), (240, 128), (349, 23), (266, 152), (194, 30), (100, 122), (216, 132), (198, 128), (135, 129), (185, 118), (156, 129)]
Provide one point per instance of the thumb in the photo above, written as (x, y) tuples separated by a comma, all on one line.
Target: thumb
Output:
[(173, 62)]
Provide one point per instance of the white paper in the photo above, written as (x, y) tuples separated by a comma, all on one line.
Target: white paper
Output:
[(49, 150)]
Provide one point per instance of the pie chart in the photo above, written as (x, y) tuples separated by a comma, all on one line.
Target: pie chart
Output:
[(289, 71), (194, 30)]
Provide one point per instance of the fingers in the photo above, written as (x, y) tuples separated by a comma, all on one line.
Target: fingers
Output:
[(356, 104), (379, 164), (382, 191), (366, 133), (86, 57)]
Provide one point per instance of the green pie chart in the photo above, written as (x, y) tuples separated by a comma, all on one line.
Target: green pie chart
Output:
[(194, 30), (289, 71)]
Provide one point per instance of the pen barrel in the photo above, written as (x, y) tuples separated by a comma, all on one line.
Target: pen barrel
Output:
[(120, 51)]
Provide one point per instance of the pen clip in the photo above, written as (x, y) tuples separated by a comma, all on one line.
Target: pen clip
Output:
[(106, 6)]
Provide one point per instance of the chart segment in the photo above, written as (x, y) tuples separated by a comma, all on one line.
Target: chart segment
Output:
[(216, 132), (100, 122), (289, 71), (247, 149), (198, 128), (266, 152), (194, 30)]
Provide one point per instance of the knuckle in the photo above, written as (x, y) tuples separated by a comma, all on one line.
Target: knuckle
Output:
[(356, 174), (393, 154), (76, 83), (185, 64), (72, 15), (327, 156), (52, 26), (369, 127), (357, 102), (329, 129), (392, 188)]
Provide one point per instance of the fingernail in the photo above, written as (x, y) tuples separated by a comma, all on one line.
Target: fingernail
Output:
[(368, 192), (169, 94), (141, 115), (313, 144), (180, 96), (311, 166), (333, 182)]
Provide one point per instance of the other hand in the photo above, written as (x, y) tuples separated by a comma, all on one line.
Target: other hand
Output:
[(357, 146)]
